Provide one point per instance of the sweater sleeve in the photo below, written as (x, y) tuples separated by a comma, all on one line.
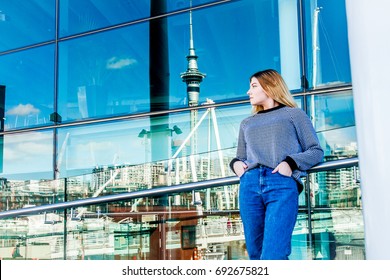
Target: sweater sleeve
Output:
[(312, 152)]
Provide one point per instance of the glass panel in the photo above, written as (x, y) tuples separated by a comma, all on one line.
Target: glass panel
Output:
[(89, 148), (338, 229), (300, 245), (82, 16), (26, 22), (228, 67), (104, 74), (133, 229), (326, 43), (27, 156), (203, 224), (302, 199), (27, 80), (85, 148), (116, 72), (38, 237), (334, 120), (336, 188), (26, 171), (338, 235), (299, 100)]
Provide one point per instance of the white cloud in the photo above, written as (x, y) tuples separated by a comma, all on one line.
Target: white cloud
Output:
[(34, 148), (23, 110), (28, 152), (119, 63)]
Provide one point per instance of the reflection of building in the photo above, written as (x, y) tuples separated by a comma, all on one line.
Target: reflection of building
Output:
[(338, 188), (128, 178), (207, 166), (193, 77), (345, 150)]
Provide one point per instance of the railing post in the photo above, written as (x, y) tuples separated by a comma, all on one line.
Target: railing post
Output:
[(65, 217), (309, 220)]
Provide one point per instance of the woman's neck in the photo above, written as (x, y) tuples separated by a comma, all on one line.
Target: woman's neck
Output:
[(271, 104)]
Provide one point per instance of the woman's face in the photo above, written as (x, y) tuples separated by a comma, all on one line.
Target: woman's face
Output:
[(257, 95)]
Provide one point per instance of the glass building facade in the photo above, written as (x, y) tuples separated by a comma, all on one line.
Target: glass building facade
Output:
[(100, 97)]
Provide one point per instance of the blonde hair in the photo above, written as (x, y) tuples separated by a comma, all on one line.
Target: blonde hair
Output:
[(275, 87)]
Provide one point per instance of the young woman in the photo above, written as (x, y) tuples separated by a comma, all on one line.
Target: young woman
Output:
[(276, 145)]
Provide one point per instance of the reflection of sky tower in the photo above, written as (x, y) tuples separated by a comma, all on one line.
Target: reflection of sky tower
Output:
[(193, 77)]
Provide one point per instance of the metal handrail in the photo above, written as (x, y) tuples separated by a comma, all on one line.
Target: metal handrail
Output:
[(160, 191)]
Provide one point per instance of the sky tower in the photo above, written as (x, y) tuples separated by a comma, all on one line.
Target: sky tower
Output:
[(193, 77)]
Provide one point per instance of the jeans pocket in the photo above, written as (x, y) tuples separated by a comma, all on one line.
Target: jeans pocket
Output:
[(285, 176)]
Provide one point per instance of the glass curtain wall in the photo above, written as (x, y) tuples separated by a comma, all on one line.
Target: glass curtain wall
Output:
[(97, 98), (203, 224)]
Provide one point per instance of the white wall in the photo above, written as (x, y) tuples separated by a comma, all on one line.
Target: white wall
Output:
[(369, 43)]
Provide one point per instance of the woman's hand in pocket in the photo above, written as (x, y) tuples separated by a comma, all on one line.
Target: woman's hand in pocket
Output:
[(239, 168), (283, 168)]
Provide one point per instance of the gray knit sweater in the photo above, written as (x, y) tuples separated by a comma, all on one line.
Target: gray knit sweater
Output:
[(279, 134)]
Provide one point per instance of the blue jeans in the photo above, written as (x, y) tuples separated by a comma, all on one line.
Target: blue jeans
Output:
[(269, 209)]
